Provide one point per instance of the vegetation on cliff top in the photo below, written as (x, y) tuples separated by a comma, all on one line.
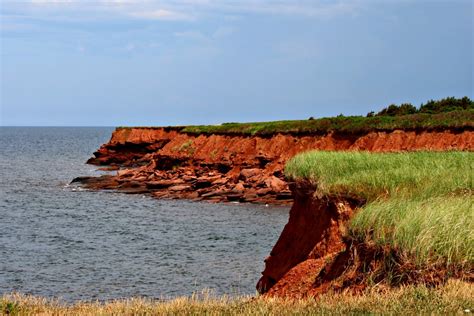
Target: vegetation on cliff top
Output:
[(448, 113), (343, 124), (451, 298), (420, 203), (432, 107)]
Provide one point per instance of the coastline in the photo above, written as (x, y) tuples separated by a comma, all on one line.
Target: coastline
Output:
[(218, 168)]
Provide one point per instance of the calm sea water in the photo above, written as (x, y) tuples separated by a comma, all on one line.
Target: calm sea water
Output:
[(57, 241)]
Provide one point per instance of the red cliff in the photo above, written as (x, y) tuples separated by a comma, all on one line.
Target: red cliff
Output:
[(313, 253), (170, 164)]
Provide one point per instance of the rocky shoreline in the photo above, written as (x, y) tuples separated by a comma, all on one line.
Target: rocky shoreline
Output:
[(249, 185), (168, 164)]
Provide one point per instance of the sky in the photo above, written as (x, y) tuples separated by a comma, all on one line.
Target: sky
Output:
[(155, 63)]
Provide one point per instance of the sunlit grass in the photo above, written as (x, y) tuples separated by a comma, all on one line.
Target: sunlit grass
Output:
[(453, 297), (341, 124), (421, 203)]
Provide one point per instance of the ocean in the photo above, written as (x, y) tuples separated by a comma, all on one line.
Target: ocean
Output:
[(60, 241)]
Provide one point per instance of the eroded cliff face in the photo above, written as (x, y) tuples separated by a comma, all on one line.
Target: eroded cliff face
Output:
[(315, 232), (131, 145), (316, 254), (169, 164)]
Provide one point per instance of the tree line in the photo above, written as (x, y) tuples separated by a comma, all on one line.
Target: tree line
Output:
[(431, 107)]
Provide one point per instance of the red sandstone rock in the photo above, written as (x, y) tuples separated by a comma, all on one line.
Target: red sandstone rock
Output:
[(263, 191), (246, 174), (126, 173), (276, 184), (259, 161), (239, 188), (163, 183), (311, 255), (179, 187), (313, 231), (220, 181)]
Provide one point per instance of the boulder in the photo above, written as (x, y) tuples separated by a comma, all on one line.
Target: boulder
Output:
[(125, 172), (275, 184), (246, 174), (239, 188)]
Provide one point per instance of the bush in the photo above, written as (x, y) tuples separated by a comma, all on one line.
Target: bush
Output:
[(431, 107), (395, 110), (446, 105)]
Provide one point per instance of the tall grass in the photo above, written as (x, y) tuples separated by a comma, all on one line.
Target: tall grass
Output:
[(453, 297), (419, 202)]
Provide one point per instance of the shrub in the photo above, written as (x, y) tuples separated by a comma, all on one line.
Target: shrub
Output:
[(446, 105), (431, 107), (395, 110)]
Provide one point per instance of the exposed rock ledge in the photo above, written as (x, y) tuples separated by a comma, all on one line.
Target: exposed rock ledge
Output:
[(167, 163)]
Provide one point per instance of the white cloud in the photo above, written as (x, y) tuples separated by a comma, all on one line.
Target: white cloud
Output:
[(162, 14), (50, 2), (181, 10)]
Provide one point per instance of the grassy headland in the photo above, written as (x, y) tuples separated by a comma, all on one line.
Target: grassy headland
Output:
[(448, 113), (452, 298), (420, 203), (343, 124)]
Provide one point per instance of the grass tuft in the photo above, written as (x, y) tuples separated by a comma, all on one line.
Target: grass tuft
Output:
[(420, 203)]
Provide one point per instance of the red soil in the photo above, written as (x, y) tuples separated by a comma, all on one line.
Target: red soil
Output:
[(170, 164)]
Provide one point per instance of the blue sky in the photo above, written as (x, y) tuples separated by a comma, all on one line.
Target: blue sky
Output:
[(207, 62)]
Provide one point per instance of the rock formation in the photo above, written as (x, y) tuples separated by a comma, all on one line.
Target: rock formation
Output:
[(168, 163)]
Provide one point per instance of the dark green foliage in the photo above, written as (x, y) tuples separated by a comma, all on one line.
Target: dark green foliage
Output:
[(431, 107), (449, 113), (447, 105), (345, 125), (397, 110)]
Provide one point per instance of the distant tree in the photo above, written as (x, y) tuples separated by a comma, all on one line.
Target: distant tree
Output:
[(395, 110), (446, 105), (407, 108), (371, 114), (431, 107)]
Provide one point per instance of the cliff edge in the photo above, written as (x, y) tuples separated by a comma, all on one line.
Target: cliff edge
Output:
[(170, 163)]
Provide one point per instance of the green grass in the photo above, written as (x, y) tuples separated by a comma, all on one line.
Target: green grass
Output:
[(420, 203), (340, 124), (453, 297)]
